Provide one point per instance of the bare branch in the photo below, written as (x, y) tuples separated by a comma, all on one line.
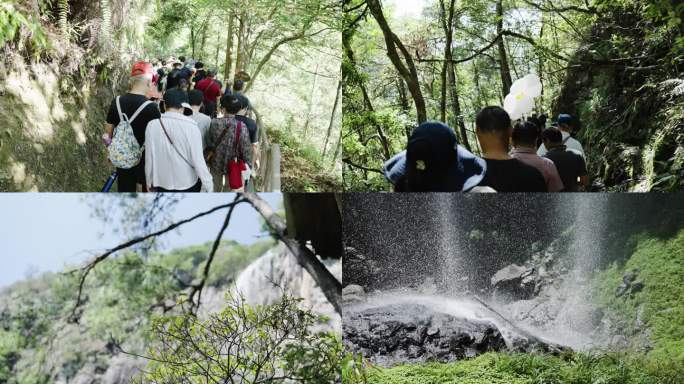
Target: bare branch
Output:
[(85, 270)]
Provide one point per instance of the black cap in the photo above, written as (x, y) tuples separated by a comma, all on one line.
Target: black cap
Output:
[(436, 163)]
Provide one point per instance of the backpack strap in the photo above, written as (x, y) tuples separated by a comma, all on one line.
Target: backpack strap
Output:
[(118, 109), (223, 135), (139, 111)]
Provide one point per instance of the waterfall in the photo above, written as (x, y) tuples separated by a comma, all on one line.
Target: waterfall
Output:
[(574, 323), (450, 247)]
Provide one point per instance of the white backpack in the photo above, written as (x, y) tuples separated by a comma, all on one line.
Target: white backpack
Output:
[(125, 152)]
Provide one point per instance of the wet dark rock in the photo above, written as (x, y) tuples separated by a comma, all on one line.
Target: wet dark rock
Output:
[(637, 287), (412, 333), (629, 277), (514, 282), (629, 285), (358, 269)]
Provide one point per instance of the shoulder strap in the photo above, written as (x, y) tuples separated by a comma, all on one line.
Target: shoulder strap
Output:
[(174, 145), (118, 109), (139, 111), (223, 134), (238, 131), (566, 140)]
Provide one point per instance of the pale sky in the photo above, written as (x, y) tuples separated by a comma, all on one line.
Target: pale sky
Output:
[(408, 8), (44, 232)]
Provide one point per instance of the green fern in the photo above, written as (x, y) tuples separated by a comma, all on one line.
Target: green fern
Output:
[(63, 17), (106, 9)]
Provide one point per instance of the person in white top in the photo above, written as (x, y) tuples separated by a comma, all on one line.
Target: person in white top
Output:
[(564, 125), (203, 121), (174, 155)]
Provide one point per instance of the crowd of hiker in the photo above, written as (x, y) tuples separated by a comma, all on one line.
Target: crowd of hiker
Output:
[(522, 156), (178, 129)]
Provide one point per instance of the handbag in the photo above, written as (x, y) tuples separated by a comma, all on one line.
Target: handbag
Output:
[(236, 165)]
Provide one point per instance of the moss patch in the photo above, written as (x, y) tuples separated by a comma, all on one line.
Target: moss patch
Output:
[(497, 368)]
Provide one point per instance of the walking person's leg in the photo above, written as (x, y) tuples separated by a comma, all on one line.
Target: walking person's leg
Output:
[(218, 181), (127, 181)]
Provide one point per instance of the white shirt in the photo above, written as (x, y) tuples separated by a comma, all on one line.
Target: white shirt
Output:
[(569, 142), (164, 166), (203, 122)]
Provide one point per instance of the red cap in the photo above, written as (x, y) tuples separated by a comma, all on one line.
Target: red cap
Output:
[(142, 68)]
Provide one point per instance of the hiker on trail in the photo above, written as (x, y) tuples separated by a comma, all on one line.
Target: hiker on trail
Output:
[(135, 108), (238, 87), (174, 154), (201, 73), (525, 150), (504, 173), (434, 162), (178, 73), (570, 164), (540, 122), (243, 116), (228, 141), (203, 121), (565, 125), (212, 93)]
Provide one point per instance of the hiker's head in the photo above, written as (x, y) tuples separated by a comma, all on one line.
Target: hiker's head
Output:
[(493, 128), (525, 135), (211, 73), (552, 138), (231, 104), (244, 104), (184, 84), (434, 162), (565, 123), (199, 65), (181, 59), (174, 100), (141, 76), (177, 64), (238, 85), (195, 97)]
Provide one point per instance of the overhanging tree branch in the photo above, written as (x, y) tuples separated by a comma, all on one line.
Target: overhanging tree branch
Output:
[(85, 270)]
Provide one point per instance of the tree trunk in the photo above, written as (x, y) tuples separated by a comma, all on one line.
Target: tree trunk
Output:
[(240, 46), (332, 118), (456, 107), (506, 81), (346, 44), (192, 40), (305, 132), (229, 50), (406, 68)]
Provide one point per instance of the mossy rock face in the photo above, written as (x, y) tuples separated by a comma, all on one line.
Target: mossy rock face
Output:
[(656, 309)]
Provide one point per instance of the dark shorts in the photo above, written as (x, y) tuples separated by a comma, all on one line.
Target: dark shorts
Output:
[(130, 178)]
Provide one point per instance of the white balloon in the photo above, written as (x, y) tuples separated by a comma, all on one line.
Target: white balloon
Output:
[(521, 99), (530, 84)]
